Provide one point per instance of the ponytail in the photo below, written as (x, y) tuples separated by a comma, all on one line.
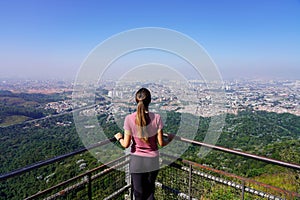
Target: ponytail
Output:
[(143, 98)]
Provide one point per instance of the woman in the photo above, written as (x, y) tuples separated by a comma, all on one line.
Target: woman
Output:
[(145, 130)]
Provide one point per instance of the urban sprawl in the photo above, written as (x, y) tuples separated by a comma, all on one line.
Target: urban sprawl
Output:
[(195, 97)]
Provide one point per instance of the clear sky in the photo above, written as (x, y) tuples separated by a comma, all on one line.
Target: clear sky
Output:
[(245, 38)]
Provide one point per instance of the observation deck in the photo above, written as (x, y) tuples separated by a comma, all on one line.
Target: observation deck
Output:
[(182, 179)]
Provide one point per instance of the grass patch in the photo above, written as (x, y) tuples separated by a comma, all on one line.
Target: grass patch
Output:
[(15, 101), (13, 119), (286, 181)]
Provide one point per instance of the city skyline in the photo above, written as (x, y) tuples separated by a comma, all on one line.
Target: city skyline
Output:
[(248, 39)]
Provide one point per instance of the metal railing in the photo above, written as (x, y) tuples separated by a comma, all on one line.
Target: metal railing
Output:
[(193, 175), (53, 160), (240, 153), (181, 179), (84, 181)]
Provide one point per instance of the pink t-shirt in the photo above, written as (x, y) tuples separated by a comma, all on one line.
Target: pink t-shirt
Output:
[(139, 147)]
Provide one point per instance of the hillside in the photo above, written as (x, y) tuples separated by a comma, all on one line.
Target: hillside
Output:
[(19, 107), (268, 134)]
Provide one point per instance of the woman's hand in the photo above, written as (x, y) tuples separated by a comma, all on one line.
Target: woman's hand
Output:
[(119, 136), (124, 139), (171, 137)]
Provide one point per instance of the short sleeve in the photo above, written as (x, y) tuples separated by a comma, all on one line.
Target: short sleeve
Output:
[(127, 123), (160, 123)]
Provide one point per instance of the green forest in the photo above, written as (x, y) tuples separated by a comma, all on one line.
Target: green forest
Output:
[(262, 133)]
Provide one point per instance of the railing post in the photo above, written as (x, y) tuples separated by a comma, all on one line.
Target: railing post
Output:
[(128, 177), (190, 181), (243, 190), (89, 186)]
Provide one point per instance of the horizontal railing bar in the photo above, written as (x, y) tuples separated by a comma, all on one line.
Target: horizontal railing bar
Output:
[(194, 164), (240, 153), (239, 177), (53, 160), (101, 143), (219, 148), (237, 185), (81, 176), (220, 172)]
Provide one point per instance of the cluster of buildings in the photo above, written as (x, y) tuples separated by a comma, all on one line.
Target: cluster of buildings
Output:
[(60, 106), (191, 96), (271, 96), (196, 98)]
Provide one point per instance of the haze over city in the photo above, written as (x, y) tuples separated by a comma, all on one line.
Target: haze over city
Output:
[(245, 39)]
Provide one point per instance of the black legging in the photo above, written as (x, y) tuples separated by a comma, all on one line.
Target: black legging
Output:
[(144, 185), (143, 171)]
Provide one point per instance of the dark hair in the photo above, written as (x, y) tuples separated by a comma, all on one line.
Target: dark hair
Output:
[(143, 99)]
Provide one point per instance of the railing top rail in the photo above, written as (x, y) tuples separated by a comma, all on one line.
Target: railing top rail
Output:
[(240, 153), (101, 143), (52, 160)]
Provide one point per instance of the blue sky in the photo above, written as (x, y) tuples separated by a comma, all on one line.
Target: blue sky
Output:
[(245, 38)]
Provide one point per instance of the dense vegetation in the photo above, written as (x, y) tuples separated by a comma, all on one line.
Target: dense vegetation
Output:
[(268, 134), (262, 133)]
